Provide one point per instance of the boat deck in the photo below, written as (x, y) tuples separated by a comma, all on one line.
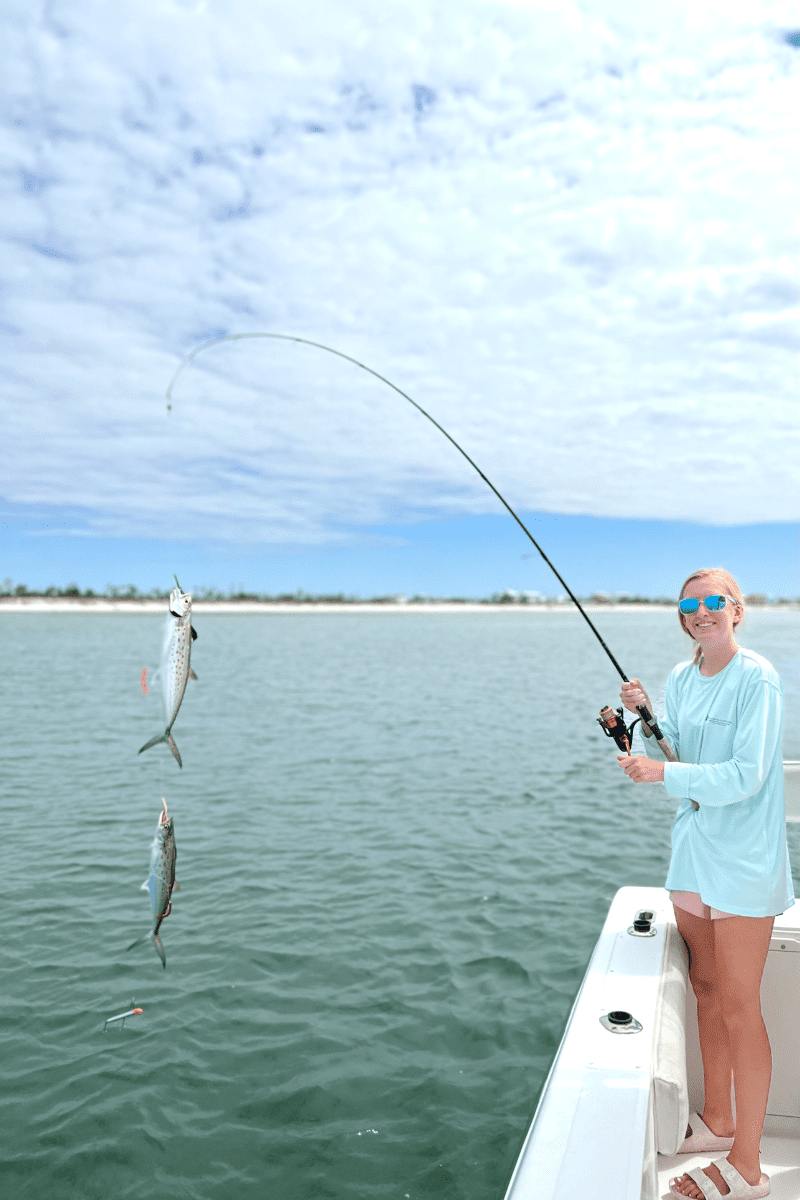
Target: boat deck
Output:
[(609, 1101), (780, 1159)]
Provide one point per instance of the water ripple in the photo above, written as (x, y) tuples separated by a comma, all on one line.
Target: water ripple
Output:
[(395, 850)]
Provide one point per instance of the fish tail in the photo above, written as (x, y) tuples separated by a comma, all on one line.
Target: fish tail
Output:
[(157, 941), (160, 737), (163, 737), (171, 743)]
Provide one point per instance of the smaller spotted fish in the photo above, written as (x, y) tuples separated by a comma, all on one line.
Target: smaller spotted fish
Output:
[(161, 880), (175, 669)]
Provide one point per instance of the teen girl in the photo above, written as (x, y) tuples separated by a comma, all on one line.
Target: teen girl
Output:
[(729, 873)]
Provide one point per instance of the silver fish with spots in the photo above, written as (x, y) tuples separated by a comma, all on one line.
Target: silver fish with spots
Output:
[(160, 883), (175, 669)]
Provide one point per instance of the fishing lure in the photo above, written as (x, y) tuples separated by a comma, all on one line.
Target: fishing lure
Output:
[(132, 1012), (645, 715)]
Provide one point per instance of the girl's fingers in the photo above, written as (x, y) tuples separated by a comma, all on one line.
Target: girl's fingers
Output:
[(633, 695), (630, 765)]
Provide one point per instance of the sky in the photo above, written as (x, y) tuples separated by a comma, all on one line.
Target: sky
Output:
[(566, 229)]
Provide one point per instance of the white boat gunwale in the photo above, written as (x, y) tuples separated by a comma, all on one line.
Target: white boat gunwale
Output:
[(610, 1107)]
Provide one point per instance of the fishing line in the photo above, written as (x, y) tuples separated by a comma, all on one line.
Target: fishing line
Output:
[(646, 716)]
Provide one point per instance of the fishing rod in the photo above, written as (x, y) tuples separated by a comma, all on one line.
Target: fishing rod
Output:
[(612, 725)]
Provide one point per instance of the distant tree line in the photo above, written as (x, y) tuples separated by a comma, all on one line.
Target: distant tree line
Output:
[(508, 596)]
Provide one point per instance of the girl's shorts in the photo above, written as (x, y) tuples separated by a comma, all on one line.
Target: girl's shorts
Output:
[(692, 902)]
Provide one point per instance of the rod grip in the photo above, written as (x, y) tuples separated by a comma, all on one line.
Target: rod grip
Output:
[(666, 749), (649, 720)]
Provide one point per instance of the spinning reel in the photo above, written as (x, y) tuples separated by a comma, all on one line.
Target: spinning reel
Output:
[(613, 726)]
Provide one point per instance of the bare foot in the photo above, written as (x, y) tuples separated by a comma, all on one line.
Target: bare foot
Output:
[(687, 1186), (719, 1129)]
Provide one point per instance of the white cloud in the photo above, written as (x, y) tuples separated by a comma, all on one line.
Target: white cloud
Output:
[(563, 229)]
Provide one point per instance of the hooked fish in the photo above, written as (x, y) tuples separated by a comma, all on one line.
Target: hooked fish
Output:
[(175, 667), (161, 880)]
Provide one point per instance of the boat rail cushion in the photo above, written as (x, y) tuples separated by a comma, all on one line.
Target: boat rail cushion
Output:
[(670, 1085)]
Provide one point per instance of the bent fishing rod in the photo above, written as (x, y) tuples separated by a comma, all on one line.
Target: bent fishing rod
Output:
[(613, 725)]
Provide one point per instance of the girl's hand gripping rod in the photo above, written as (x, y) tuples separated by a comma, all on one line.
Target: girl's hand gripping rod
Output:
[(613, 726)]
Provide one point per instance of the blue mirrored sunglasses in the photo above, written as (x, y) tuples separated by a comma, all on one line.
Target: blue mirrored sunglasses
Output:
[(712, 603)]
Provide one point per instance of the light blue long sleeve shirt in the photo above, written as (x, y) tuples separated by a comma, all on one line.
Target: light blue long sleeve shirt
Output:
[(726, 731)]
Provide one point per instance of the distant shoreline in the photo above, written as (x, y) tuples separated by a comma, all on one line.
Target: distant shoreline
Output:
[(104, 604)]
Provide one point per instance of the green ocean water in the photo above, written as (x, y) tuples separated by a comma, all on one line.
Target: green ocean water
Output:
[(398, 836)]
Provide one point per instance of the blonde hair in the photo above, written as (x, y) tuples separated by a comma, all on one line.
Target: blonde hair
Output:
[(727, 585)]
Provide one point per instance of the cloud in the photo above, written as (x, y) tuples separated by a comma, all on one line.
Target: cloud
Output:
[(563, 228)]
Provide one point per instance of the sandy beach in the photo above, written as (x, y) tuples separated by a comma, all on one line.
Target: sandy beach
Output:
[(101, 604)]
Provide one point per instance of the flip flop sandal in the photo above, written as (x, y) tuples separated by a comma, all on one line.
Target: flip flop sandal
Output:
[(701, 1140), (740, 1188)]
